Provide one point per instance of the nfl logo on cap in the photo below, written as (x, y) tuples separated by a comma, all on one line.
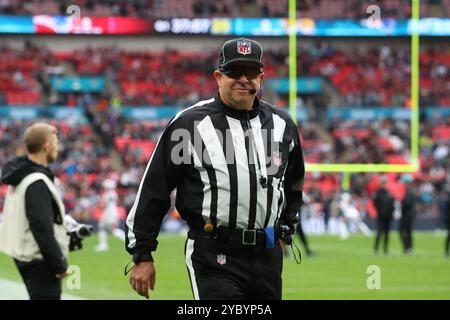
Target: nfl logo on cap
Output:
[(244, 47), (240, 50)]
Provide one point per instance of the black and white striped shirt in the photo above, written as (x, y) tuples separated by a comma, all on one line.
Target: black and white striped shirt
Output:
[(234, 168)]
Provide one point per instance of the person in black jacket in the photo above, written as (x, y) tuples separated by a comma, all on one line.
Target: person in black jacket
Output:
[(237, 164), (304, 240), (408, 214), (33, 229), (299, 230), (447, 220), (384, 204)]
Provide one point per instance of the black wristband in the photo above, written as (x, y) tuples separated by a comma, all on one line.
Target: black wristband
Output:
[(142, 257)]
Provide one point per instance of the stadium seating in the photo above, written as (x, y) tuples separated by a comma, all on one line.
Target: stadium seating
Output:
[(317, 9), (380, 78)]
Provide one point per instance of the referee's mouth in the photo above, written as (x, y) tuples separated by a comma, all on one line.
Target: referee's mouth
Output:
[(243, 90)]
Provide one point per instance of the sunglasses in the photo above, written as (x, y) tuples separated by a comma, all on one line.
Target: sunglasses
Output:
[(237, 72)]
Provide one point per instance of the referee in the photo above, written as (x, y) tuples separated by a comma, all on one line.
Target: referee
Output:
[(237, 164)]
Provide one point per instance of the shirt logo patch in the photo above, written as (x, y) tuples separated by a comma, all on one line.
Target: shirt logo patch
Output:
[(221, 259), (244, 47), (277, 158)]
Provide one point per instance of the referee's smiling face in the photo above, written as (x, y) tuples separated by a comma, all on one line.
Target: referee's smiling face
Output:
[(235, 83)]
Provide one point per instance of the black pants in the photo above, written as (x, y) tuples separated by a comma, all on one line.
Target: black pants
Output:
[(383, 227), (447, 244), (231, 271), (405, 229), (40, 280), (302, 237), (447, 240)]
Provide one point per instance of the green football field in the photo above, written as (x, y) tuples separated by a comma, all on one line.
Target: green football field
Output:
[(339, 271)]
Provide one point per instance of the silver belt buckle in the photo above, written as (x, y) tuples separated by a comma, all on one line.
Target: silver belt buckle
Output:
[(251, 234)]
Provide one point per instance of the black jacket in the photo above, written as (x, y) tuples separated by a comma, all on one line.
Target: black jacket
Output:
[(447, 210), (384, 203), (408, 205), (241, 194), (41, 210)]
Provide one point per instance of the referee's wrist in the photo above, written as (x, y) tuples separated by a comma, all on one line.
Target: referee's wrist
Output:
[(142, 257)]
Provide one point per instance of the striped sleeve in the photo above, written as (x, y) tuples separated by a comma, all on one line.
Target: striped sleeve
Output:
[(166, 167), (294, 176)]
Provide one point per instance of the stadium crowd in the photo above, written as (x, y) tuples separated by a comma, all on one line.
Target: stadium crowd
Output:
[(86, 161), (381, 77), (317, 9)]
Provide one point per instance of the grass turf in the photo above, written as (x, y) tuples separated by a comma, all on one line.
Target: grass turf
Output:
[(339, 271)]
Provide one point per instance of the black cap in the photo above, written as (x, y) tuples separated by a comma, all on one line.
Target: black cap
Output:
[(240, 50)]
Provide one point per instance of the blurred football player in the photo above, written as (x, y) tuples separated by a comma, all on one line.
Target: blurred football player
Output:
[(350, 217), (109, 222)]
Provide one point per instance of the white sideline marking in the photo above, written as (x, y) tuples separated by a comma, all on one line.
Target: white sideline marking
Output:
[(12, 290)]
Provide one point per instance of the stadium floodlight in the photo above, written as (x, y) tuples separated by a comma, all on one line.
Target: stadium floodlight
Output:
[(413, 166)]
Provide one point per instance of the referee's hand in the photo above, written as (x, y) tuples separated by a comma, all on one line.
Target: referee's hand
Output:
[(142, 278)]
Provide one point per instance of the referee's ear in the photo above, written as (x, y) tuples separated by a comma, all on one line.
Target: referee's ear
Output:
[(218, 76), (262, 75)]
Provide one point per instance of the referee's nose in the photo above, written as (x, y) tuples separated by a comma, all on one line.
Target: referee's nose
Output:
[(243, 78)]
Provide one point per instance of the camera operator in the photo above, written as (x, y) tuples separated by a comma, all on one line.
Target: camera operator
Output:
[(35, 228)]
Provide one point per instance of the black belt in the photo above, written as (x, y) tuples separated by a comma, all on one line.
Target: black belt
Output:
[(232, 236)]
